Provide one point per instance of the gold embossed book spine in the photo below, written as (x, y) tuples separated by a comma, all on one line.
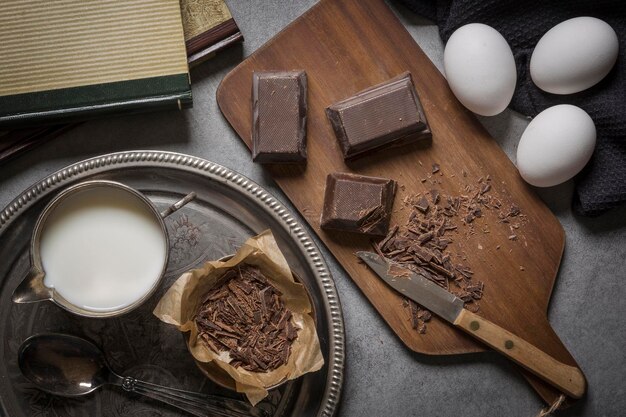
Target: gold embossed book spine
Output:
[(209, 27)]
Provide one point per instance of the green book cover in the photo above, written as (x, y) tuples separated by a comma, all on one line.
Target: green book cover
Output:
[(75, 59)]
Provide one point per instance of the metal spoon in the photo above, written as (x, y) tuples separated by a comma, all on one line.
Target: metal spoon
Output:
[(71, 366)]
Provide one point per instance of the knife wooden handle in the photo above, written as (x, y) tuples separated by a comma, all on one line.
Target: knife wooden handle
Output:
[(569, 379)]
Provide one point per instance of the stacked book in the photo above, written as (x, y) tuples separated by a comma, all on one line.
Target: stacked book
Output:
[(70, 60)]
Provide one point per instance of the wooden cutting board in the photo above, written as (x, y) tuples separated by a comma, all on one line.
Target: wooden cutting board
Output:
[(345, 46)]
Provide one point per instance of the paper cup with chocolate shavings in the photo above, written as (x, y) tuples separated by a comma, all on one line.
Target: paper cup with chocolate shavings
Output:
[(276, 312)]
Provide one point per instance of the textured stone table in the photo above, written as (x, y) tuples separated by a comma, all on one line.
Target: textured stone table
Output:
[(382, 377)]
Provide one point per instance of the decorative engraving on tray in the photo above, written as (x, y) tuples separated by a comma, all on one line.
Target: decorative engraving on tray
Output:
[(186, 237), (193, 241), (124, 404)]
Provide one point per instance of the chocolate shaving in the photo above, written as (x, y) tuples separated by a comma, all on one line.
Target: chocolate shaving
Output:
[(422, 253), (398, 271), (514, 211), (434, 195), (425, 237), (417, 315), (392, 232), (422, 205), (245, 316), (370, 218)]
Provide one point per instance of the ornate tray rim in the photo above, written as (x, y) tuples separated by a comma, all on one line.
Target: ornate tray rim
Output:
[(237, 182)]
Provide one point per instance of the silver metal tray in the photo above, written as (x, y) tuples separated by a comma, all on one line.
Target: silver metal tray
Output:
[(229, 209)]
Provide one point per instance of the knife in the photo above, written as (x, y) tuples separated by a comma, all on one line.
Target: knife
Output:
[(568, 379)]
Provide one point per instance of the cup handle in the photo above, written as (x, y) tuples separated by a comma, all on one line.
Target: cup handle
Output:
[(178, 205), (32, 289)]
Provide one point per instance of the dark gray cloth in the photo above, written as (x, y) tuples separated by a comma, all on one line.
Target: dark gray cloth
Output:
[(602, 184)]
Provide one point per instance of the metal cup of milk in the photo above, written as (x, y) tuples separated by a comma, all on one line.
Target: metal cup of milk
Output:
[(99, 249)]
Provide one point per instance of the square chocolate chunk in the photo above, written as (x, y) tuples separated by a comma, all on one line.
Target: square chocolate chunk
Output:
[(387, 114), (279, 117), (357, 203)]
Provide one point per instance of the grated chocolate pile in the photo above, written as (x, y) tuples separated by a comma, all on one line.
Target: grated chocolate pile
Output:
[(245, 316)]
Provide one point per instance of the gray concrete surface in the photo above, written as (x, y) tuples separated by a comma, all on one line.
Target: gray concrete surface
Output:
[(383, 378)]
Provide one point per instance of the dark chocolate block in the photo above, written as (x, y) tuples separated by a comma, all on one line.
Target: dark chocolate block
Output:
[(356, 203), (279, 117), (387, 114)]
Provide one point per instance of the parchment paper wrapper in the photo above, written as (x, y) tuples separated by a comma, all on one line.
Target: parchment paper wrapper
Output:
[(181, 302)]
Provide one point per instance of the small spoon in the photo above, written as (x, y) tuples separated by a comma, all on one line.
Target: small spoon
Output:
[(71, 366)]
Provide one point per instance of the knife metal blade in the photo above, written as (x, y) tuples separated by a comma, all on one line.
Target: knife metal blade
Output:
[(416, 287)]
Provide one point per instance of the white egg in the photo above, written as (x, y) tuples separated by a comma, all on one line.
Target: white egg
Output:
[(574, 55), (480, 68), (556, 145)]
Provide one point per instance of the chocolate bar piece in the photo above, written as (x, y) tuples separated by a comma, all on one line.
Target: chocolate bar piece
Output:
[(357, 203), (387, 114), (279, 117)]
